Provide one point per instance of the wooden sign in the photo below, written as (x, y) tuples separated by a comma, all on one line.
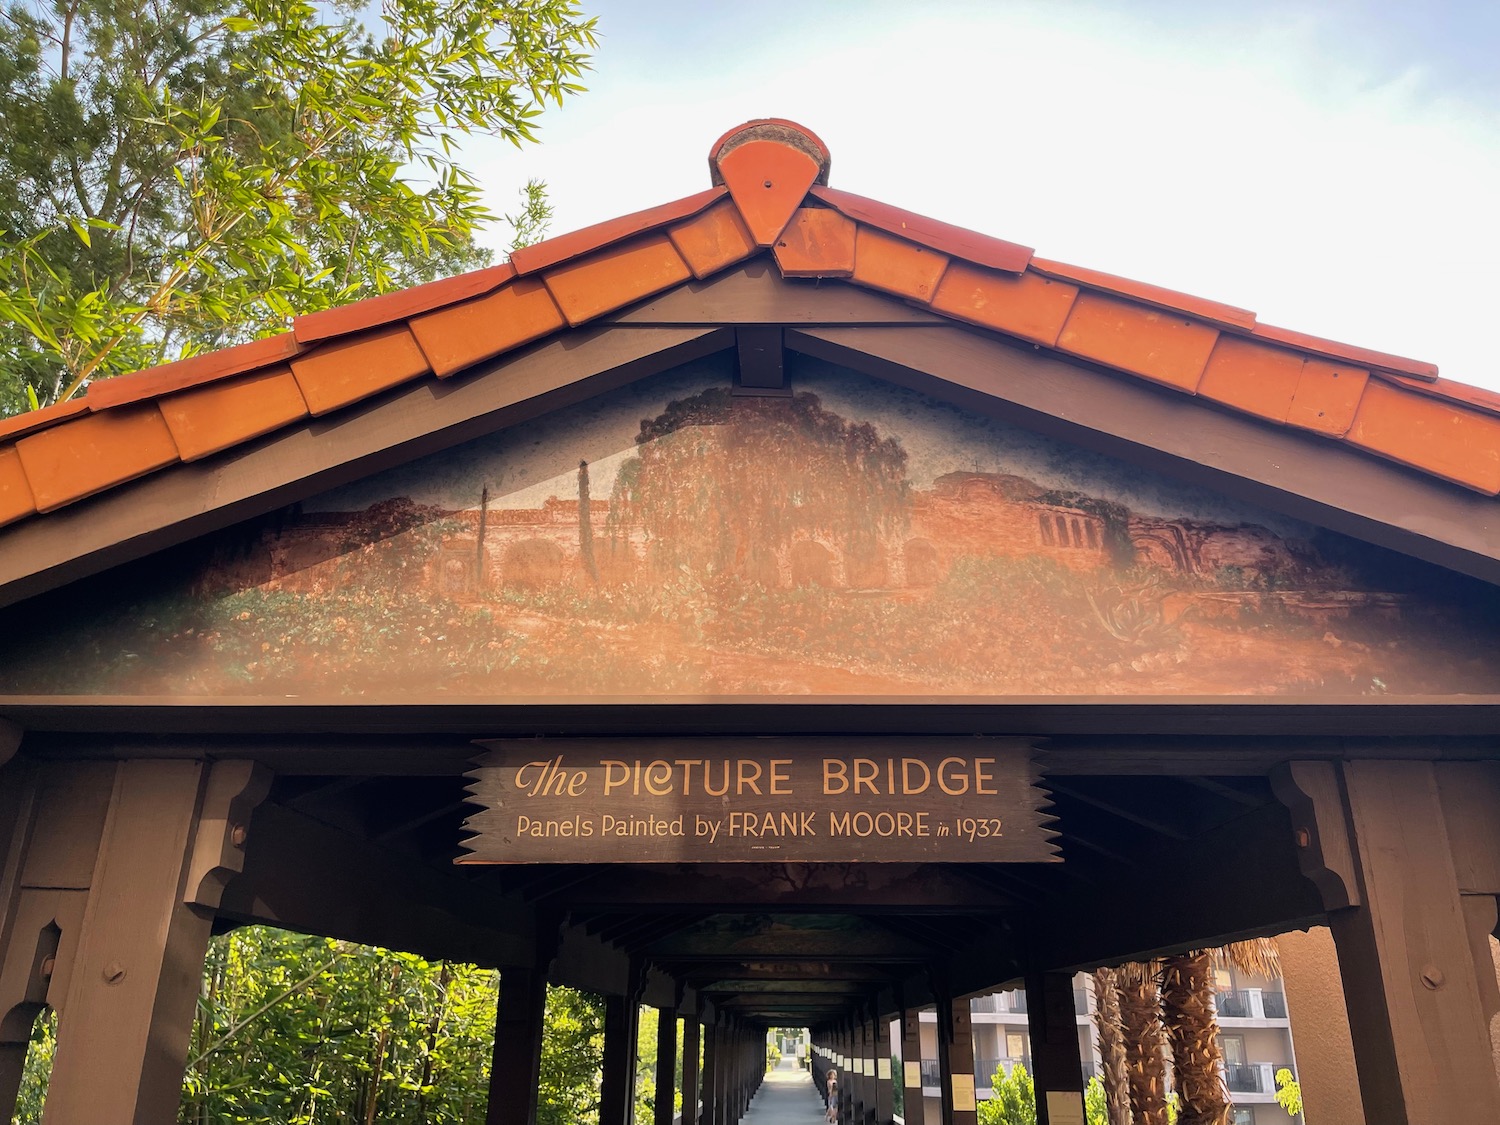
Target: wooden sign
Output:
[(958, 800)]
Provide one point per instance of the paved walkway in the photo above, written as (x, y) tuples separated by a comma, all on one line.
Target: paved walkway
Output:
[(786, 1097)]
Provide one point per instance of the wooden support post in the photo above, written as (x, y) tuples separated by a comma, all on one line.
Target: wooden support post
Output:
[(617, 1088), (1421, 1037), (1381, 846), (516, 1061), (867, 1067), (864, 1061), (884, 1092), (713, 1039), (1057, 1070), (913, 1108), (956, 1061), (172, 832), (691, 1030), (729, 1061), (847, 1076), (666, 1066)]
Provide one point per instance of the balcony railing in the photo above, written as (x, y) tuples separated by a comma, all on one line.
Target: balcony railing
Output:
[(999, 1002), (1251, 1003), (1252, 1078)]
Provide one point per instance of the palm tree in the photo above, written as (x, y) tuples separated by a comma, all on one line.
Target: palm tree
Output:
[(1190, 1017), (1115, 1074), (1172, 997), (1140, 1020)]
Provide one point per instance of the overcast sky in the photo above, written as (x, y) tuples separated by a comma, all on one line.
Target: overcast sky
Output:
[(1333, 166)]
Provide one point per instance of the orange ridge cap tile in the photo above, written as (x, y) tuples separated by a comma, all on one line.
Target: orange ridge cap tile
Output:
[(957, 242), (615, 277), (460, 336), (575, 244), (30, 421), (1027, 304), (1399, 365), (713, 239), (818, 242), (894, 265), (1327, 396), (777, 129), (211, 418), (194, 371), (1215, 311), (1145, 340), (372, 312), (1253, 377), (350, 368), (16, 500), (1477, 397), (768, 181), (95, 452), (1435, 436)]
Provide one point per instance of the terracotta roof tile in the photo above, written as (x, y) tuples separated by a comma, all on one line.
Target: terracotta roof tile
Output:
[(1144, 340), (375, 311), (567, 247), (463, 335), (768, 182), (1212, 311), (615, 277), (1434, 436), (1327, 396), (896, 265), (1027, 305), (95, 452), (980, 249), (16, 500), (336, 358), (1478, 397), (1382, 361), (713, 240), (344, 371), (218, 415), (32, 420), (818, 242), (1252, 377), (194, 371)]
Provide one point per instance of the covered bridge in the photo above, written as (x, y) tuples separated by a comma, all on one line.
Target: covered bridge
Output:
[(775, 607)]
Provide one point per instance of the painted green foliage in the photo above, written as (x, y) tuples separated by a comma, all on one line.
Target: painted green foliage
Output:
[(177, 177)]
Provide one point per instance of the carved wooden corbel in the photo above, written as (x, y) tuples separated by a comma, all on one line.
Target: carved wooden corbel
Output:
[(1325, 848)]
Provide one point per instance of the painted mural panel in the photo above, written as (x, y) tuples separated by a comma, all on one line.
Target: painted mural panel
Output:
[(676, 539)]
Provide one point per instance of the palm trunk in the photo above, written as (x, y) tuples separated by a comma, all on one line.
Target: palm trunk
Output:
[(1140, 1018), (1111, 1036), (1192, 1025)]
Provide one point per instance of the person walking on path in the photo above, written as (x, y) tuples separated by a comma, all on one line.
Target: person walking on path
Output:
[(832, 1114)]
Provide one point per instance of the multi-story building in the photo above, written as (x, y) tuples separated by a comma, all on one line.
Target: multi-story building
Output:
[(1255, 1036)]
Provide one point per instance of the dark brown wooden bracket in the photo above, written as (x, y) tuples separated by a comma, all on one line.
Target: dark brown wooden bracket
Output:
[(1325, 853), (761, 366)]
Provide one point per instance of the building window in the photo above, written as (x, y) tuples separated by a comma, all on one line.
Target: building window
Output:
[(1241, 1115)]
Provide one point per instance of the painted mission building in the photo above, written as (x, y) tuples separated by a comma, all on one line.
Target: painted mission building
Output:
[(776, 608)]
